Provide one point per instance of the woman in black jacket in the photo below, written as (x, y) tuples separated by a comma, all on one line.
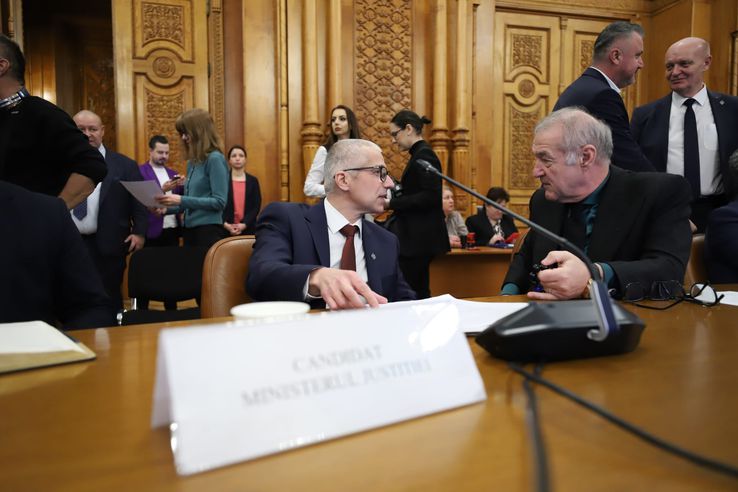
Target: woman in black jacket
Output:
[(244, 196), (418, 219)]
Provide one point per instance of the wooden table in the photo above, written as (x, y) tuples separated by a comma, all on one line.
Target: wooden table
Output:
[(85, 426), (469, 273)]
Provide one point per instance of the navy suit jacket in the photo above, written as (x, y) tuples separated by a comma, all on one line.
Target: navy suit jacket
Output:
[(650, 126), (592, 92), (252, 203), (721, 244), (47, 273), (641, 229), (292, 241), (119, 214)]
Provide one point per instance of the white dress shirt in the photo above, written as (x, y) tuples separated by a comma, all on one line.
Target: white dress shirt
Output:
[(336, 241), (88, 225), (170, 220), (612, 84), (706, 136)]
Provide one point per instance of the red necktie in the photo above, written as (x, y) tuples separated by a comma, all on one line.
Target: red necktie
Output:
[(348, 256)]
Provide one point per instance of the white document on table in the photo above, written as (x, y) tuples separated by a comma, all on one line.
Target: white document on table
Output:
[(474, 316), (144, 191), (33, 337)]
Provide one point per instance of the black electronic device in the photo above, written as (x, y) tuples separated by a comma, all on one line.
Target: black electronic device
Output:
[(567, 329)]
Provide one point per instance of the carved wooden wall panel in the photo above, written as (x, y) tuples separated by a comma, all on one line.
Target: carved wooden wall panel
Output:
[(383, 66), (161, 54), (527, 49)]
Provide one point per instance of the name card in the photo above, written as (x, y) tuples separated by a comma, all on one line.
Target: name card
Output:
[(231, 393)]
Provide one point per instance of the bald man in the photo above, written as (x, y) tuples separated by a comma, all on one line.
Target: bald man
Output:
[(665, 127), (111, 221)]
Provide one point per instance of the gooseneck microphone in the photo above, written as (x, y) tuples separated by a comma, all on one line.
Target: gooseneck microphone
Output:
[(553, 331)]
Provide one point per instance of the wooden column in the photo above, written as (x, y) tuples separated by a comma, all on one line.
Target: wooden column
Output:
[(284, 113), (311, 127), (335, 95), (461, 139), (439, 139)]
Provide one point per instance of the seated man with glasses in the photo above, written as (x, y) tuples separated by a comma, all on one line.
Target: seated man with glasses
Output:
[(634, 226), (327, 254)]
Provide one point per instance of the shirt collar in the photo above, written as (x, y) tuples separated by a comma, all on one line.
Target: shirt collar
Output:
[(102, 150), (335, 219), (700, 97), (612, 84)]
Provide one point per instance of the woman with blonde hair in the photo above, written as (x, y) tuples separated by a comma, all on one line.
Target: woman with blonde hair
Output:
[(206, 185)]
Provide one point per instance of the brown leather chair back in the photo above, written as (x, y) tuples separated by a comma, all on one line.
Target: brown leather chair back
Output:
[(696, 268), (224, 276), (519, 242)]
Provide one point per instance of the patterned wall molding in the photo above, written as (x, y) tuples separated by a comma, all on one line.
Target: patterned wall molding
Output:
[(383, 66), (217, 66)]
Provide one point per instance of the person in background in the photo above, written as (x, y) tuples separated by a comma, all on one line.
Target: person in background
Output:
[(343, 125), (616, 59), (112, 222), (244, 196), (40, 146), (454, 221), (206, 187), (490, 225), (417, 219), (721, 237), (163, 230), (662, 128)]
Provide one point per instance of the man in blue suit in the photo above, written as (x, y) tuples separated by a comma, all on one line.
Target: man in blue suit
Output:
[(659, 127), (328, 254), (615, 61), (111, 221)]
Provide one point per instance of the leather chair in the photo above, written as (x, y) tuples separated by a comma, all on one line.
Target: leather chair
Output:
[(696, 267), (224, 276), (519, 242)]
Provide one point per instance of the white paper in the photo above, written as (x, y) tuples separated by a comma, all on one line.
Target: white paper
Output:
[(144, 191), (33, 337), (475, 316), (232, 392), (731, 297)]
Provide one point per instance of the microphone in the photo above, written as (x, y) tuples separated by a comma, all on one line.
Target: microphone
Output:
[(558, 330)]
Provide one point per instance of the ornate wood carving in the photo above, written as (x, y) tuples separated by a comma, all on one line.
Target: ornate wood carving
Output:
[(526, 51), (161, 110), (163, 22), (383, 65), (217, 66), (521, 122)]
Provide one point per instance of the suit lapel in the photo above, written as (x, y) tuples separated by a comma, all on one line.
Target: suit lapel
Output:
[(722, 125), (110, 177), (371, 253), (318, 227), (660, 121)]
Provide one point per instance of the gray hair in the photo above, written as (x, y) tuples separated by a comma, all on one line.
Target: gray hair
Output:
[(579, 129), (613, 32), (344, 154)]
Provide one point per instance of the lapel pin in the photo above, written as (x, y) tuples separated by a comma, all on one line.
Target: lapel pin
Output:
[(722, 103), (373, 256)]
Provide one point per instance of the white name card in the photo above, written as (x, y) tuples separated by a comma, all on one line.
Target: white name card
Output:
[(231, 393)]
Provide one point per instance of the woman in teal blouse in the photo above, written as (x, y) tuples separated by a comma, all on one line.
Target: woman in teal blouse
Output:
[(206, 185)]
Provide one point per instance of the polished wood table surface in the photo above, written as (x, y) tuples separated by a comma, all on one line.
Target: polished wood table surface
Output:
[(467, 273), (85, 426)]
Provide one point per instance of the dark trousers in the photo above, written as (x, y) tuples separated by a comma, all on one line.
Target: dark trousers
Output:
[(702, 207), (416, 270), (168, 237), (205, 235), (111, 270)]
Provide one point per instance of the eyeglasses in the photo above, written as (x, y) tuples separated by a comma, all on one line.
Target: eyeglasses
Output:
[(394, 133), (380, 171), (671, 290)]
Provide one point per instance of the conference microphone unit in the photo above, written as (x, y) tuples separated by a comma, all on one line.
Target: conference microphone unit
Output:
[(560, 330)]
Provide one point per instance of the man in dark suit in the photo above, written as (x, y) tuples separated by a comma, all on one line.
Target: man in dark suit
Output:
[(721, 235), (634, 226), (48, 275), (662, 128), (111, 221), (615, 61), (327, 253)]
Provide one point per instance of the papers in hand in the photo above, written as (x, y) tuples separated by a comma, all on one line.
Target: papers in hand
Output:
[(144, 191), (475, 316)]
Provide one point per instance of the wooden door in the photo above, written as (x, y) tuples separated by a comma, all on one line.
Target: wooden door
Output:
[(526, 64), (161, 69)]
